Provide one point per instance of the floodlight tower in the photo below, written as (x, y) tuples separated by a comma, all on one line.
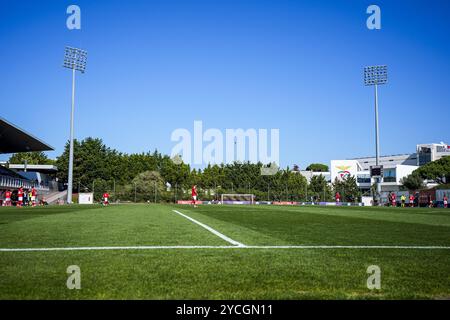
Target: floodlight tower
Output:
[(74, 59), (374, 76)]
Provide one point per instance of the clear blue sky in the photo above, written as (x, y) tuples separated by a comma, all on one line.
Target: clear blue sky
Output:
[(155, 66)]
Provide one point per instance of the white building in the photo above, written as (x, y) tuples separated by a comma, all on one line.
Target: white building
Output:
[(403, 159), (431, 152), (392, 174), (395, 167)]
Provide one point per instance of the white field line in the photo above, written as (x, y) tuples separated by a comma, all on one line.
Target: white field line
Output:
[(113, 248), (235, 245), (217, 233), (350, 247), (223, 247)]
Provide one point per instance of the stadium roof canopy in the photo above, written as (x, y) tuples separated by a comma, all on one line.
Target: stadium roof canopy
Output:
[(14, 139)]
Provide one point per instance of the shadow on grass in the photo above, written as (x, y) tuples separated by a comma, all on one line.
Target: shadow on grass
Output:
[(12, 214)]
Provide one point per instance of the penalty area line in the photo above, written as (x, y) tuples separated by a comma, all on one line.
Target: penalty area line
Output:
[(217, 233), (223, 247)]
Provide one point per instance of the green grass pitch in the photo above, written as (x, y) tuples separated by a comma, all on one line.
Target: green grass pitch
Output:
[(218, 271)]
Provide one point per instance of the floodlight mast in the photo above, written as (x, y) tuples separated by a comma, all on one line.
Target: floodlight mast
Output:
[(374, 76), (74, 59)]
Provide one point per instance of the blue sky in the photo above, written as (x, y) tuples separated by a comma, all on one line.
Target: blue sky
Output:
[(155, 66)]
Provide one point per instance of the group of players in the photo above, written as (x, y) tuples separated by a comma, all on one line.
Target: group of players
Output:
[(29, 198), (392, 199), (413, 201), (25, 197)]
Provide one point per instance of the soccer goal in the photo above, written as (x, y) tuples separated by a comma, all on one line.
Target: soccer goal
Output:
[(236, 198)]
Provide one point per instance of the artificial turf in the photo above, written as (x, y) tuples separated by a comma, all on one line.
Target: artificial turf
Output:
[(216, 273)]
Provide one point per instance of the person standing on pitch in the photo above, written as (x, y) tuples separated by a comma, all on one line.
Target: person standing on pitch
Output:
[(338, 197), (411, 200), (394, 199), (106, 199), (7, 202), (194, 195), (403, 199), (25, 198), (19, 197), (445, 201), (33, 196)]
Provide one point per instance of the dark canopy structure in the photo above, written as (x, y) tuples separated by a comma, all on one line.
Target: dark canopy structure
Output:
[(14, 139)]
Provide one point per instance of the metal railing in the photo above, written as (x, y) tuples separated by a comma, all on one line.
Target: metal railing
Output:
[(15, 183)]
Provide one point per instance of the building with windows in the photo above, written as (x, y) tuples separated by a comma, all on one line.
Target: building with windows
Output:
[(393, 173), (395, 167), (431, 152), (13, 176), (386, 161)]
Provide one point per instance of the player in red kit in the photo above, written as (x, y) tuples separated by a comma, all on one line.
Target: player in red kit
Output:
[(394, 199), (194, 195), (8, 198), (338, 197), (33, 196), (106, 199), (20, 197), (411, 200), (445, 201)]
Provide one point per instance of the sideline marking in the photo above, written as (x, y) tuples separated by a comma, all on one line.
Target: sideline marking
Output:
[(222, 247), (217, 233)]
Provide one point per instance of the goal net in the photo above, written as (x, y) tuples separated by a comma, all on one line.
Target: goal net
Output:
[(236, 198)]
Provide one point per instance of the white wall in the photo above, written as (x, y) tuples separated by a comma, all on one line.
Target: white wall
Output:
[(403, 171), (85, 198), (341, 168)]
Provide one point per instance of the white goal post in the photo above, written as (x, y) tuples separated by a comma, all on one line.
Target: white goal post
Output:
[(237, 198)]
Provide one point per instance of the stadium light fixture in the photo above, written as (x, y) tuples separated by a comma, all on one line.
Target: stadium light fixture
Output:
[(374, 76), (74, 59)]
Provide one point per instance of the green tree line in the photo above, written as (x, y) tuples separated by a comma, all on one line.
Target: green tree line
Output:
[(153, 176)]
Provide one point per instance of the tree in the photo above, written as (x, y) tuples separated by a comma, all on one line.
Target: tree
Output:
[(37, 157), (116, 172), (412, 182), (148, 185), (347, 188), (438, 170), (317, 167), (296, 185), (92, 160), (318, 186), (175, 174)]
